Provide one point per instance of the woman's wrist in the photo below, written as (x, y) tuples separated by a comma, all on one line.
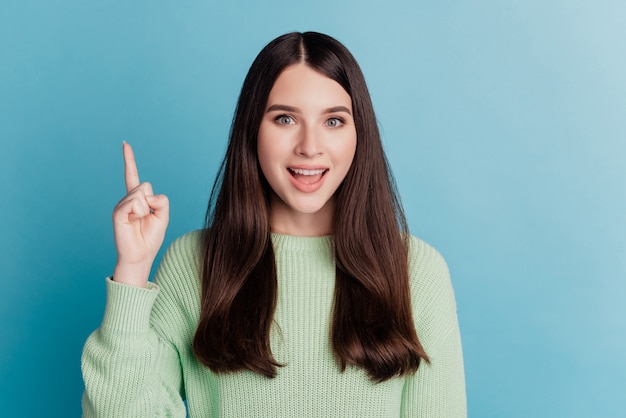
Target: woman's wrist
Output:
[(132, 274)]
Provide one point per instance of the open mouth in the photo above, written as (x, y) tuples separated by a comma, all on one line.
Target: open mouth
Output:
[(306, 176)]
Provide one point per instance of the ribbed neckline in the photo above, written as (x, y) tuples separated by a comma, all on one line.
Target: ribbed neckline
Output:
[(304, 244)]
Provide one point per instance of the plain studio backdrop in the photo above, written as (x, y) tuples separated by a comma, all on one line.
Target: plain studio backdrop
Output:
[(504, 122)]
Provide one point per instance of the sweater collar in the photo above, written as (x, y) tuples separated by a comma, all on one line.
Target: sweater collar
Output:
[(305, 244)]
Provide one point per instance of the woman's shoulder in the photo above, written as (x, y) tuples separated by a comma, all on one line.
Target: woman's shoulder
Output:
[(432, 295), (176, 309), (189, 241), (182, 260), (187, 246), (423, 256), (428, 273)]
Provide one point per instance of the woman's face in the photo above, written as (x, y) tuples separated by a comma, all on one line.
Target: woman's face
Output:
[(306, 145)]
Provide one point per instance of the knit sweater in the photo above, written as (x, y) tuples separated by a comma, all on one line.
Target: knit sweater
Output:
[(140, 362)]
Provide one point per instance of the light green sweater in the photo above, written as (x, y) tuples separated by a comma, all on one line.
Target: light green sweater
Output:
[(140, 363)]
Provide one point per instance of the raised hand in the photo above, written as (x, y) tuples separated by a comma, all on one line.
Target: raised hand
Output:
[(139, 223)]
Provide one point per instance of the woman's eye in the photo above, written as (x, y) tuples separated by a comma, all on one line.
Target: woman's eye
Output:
[(334, 122), (284, 120)]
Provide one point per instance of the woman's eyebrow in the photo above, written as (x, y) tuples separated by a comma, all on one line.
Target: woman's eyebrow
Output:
[(291, 109), (282, 108), (336, 109)]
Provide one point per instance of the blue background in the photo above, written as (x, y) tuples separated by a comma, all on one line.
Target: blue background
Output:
[(504, 121)]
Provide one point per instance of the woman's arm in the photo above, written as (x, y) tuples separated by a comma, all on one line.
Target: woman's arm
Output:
[(128, 369), (436, 389)]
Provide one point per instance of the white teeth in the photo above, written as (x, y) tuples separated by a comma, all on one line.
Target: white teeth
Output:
[(307, 172)]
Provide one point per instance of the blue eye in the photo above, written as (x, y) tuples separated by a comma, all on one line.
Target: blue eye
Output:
[(284, 120), (334, 122)]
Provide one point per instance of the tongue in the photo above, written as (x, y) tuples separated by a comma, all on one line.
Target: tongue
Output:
[(307, 179)]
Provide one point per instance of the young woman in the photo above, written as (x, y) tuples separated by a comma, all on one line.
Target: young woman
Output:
[(305, 295)]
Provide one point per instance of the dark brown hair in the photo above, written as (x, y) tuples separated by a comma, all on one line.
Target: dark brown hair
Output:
[(372, 325)]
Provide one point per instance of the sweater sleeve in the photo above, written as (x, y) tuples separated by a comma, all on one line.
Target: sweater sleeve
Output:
[(127, 368), (132, 364), (436, 389)]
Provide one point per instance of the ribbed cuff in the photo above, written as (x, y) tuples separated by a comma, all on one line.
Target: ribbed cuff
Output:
[(128, 307)]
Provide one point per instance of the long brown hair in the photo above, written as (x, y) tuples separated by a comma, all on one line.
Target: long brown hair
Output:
[(372, 325)]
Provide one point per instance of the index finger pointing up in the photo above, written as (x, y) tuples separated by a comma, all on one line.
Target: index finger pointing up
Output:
[(130, 168)]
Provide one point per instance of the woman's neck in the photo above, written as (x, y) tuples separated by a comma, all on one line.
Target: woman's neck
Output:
[(284, 220)]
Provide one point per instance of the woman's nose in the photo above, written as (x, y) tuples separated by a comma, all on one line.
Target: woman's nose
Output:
[(308, 142)]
